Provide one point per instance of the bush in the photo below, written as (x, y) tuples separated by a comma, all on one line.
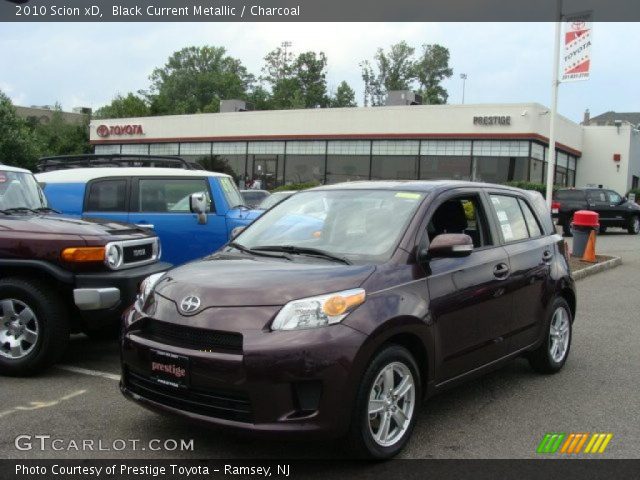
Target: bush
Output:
[(538, 187), (296, 186)]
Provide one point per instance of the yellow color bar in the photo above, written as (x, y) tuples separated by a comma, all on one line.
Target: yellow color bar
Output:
[(606, 441)]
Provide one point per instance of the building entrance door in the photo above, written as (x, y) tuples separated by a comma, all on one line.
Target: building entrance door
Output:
[(265, 169)]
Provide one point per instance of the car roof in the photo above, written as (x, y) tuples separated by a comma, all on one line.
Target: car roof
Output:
[(82, 175), (9, 168), (412, 185)]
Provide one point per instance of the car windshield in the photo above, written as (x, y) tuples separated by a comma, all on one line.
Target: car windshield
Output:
[(357, 225), (231, 193), (274, 199), (19, 190)]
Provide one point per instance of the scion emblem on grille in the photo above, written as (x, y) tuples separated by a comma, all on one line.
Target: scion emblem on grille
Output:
[(189, 304)]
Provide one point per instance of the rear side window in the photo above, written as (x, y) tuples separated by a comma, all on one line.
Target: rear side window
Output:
[(510, 217), (107, 196), (597, 196), (530, 218), (169, 195), (569, 195)]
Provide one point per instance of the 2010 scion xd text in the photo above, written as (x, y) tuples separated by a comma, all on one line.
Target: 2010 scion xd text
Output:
[(338, 310)]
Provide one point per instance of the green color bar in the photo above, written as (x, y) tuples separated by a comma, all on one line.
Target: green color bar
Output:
[(543, 444), (558, 442)]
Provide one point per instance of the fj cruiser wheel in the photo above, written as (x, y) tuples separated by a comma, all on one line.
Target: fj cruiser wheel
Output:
[(634, 225), (386, 405), (551, 356), (34, 330)]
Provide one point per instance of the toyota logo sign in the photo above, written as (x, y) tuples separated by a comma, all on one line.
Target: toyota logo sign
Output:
[(189, 304), (106, 131), (102, 131)]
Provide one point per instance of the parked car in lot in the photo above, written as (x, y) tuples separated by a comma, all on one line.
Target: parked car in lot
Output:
[(401, 290), (614, 209), (253, 198), (158, 198), (60, 275), (274, 199)]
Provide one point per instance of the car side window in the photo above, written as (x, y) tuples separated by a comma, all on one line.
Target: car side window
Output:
[(597, 196), (169, 195), (614, 197), (107, 196), (530, 218), (510, 218), (463, 214)]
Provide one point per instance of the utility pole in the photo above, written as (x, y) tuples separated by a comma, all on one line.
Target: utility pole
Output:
[(463, 76), (551, 162)]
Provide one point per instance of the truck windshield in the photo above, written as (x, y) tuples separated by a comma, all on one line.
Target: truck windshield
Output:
[(20, 190), (356, 225), (231, 193)]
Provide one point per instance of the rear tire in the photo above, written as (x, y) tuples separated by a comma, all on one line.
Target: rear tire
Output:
[(552, 354), (386, 408), (633, 226), (34, 330)]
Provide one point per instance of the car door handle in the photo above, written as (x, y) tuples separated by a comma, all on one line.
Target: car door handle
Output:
[(501, 271), (145, 225), (547, 256)]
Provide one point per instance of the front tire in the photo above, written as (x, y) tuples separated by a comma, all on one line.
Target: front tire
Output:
[(386, 405), (552, 354), (34, 330), (633, 226)]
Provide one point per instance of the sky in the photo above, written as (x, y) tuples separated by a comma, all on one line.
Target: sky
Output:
[(88, 64)]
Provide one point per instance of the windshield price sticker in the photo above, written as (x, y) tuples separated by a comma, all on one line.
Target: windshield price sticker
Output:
[(408, 195)]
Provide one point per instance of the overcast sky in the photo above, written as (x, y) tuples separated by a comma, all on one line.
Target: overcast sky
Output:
[(87, 64)]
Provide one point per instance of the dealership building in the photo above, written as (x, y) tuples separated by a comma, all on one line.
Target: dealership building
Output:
[(488, 142)]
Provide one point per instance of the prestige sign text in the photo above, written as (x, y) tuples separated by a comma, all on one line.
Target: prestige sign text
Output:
[(492, 120)]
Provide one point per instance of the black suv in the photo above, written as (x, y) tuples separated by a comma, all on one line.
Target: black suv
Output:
[(614, 209)]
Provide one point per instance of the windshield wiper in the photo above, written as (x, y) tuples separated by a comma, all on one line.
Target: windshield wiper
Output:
[(314, 252), (46, 209), (19, 209), (252, 251)]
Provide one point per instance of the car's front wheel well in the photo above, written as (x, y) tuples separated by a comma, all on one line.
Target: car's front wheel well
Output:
[(570, 297), (416, 347)]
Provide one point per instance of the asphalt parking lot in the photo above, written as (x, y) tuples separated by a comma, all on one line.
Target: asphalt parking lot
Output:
[(503, 415)]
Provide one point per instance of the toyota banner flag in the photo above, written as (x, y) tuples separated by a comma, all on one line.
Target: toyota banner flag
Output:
[(576, 51)]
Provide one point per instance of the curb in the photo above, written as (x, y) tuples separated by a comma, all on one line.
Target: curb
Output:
[(600, 267)]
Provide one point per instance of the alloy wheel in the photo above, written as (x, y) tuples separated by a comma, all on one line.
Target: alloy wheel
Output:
[(391, 404), (559, 334), (18, 329)]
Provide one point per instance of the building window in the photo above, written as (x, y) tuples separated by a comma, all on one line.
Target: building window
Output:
[(200, 148), (445, 167), (396, 147), (346, 147), (537, 170), (304, 168), (347, 168), (455, 148), (107, 149), (164, 149), (634, 182), (537, 151), (266, 147), (499, 169), (394, 159), (500, 148), (135, 149)]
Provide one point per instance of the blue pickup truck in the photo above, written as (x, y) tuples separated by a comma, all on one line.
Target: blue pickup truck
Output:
[(192, 211)]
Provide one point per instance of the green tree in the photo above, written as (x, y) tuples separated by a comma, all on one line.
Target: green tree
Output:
[(58, 137), (195, 79), (122, 107), (390, 70), (309, 70), (431, 69), (18, 145), (344, 96), (215, 163)]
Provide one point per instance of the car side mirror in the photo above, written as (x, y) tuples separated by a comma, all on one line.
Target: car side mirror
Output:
[(198, 205), (450, 245)]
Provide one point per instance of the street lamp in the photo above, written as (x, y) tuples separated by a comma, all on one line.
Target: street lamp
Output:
[(463, 76)]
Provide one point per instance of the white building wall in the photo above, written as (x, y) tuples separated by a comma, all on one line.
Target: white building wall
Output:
[(597, 167)]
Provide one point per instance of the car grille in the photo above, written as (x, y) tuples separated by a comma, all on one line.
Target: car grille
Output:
[(191, 337), (228, 406), (137, 253)]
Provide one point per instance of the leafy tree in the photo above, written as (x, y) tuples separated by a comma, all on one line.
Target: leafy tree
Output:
[(431, 69), (344, 96), (123, 107), (58, 137), (18, 145), (195, 79), (278, 64), (309, 70), (391, 70), (215, 163)]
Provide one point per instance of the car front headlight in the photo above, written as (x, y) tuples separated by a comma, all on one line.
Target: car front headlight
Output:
[(320, 311), (113, 256), (146, 287)]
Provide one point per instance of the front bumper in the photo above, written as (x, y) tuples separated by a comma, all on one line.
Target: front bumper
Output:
[(102, 297), (289, 383)]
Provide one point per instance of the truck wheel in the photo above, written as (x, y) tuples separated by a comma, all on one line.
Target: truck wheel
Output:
[(552, 354), (34, 330), (386, 405), (634, 225)]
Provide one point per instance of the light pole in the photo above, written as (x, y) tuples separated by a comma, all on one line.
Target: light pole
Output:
[(463, 76)]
